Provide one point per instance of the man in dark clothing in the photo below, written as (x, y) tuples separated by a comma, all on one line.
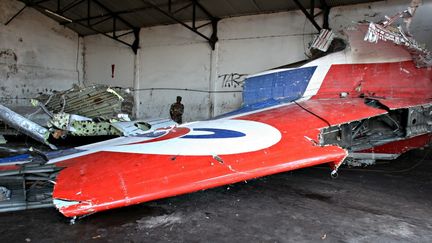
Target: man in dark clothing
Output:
[(176, 111)]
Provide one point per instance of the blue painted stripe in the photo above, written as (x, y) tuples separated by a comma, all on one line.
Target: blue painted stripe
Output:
[(50, 155), (273, 89), (17, 158), (288, 84)]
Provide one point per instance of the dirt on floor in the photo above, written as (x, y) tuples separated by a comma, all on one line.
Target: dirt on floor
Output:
[(387, 202)]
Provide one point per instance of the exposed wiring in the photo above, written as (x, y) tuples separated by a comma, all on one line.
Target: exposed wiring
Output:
[(42, 107), (319, 117), (64, 103), (77, 61), (15, 15), (304, 44)]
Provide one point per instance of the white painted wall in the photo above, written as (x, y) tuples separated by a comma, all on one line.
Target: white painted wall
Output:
[(172, 57), (36, 55), (102, 52)]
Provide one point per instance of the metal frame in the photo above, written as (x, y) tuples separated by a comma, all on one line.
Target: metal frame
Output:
[(15, 15), (91, 21), (30, 185), (325, 10), (212, 39), (60, 11)]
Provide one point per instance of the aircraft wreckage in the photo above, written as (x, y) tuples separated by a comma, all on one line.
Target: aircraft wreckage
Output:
[(368, 101)]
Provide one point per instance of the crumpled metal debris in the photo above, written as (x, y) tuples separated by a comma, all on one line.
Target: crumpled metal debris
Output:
[(88, 111), (97, 110), (79, 111), (92, 101), (5, 194), (64, 124), (2, 140), (323, 40), (25, 126), (387, 32)]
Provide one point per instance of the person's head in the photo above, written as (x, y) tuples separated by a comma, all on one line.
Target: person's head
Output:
[(179, 98)]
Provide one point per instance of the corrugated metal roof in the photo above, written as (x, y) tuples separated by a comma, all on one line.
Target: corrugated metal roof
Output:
[(137, 13)]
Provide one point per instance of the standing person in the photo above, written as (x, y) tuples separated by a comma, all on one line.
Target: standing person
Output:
[(176, 111)]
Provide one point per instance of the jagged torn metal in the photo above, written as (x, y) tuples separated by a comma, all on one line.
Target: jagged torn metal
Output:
[(385, 31), (323, 40)]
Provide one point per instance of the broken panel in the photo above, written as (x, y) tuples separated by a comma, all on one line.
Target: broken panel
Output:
[(362, 135), (27, 186), (93, 101), (25, 126)]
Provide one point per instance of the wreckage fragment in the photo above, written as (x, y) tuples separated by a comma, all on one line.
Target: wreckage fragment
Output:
[(63, 124), (68, 124), (92, 101), (323, 40), (385, 31), (25, 126)]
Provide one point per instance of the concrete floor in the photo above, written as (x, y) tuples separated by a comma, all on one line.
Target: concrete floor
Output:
[(361, 205)]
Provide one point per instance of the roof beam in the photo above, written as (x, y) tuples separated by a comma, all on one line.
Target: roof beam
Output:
[(71, 5), (133, 10), (255, 4), (15, 15), (91, 26), (326, 9), (212, 39), (312, 7), (308, 15), (113, 14)]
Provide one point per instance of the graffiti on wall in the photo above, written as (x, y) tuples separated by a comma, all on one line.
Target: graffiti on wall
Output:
[(232, 80), (8, 59)]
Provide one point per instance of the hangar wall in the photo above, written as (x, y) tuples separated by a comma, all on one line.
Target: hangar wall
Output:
[(100, 54), (39, 55), (36, 55), (172, 58)]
